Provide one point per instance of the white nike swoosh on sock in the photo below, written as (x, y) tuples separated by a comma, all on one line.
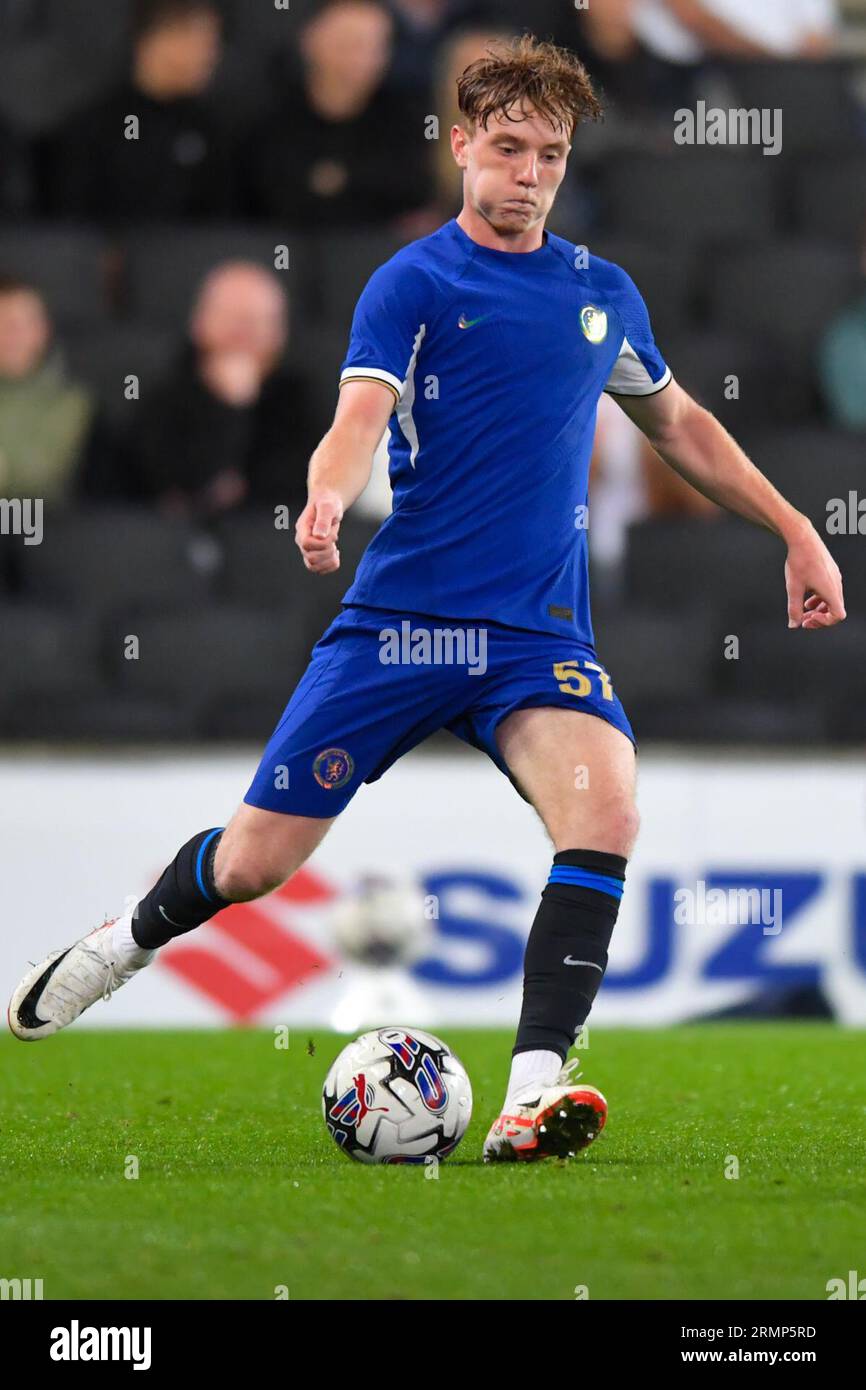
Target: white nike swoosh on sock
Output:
[(567, 961), (171, 919)]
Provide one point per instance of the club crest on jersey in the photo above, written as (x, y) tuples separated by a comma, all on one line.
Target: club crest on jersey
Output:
[(594, 323), (333, 767)]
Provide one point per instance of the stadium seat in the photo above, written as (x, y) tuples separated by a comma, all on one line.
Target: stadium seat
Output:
[(165, 267), (45, 649), (704, 361), (67, 264), (101, 558), (11, 547), (108, 718), (829, 198), (730, 720), (323, 592), (731, 566), (660, 655), (785, 294), (810, 466), (711, 197), (318, 353), (666, 280), (345, 262), (215, 654), (846, 721), (250, 718), (817, 99), (262, 566), (105, 358), (799, 665)]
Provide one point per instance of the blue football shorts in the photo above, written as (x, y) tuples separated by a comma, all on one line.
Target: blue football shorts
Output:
[(363, 701)]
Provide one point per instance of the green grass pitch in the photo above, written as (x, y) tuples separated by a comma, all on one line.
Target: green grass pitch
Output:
[(241, 1190)]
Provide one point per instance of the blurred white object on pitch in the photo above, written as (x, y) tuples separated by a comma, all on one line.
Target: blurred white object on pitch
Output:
[(381, 927), (381, 923)]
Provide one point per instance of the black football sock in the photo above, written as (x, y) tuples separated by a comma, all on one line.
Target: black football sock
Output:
[(185, 895), (566, 954)]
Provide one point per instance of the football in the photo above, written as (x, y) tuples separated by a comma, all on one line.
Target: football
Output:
[(381, 923), (397, 1095)]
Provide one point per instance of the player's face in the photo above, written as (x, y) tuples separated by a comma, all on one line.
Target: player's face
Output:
[(512, 169)]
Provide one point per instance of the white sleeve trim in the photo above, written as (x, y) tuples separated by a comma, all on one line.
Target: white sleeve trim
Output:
[(629, 376), (373, 374)]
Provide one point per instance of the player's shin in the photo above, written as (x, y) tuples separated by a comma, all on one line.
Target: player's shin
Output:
[(566, 957), (184, 897)]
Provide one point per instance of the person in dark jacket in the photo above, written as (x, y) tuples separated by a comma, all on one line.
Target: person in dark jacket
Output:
[(230, 426), (156, 147), (327, 156)]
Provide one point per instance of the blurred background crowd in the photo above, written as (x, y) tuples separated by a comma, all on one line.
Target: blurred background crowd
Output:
[(193, 194)]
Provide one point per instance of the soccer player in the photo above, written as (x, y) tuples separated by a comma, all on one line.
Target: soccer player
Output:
[(486, 347)]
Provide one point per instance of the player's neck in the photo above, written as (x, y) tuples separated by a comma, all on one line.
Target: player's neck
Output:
[(480, 230)]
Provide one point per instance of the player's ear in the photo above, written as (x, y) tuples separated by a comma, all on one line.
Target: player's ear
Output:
[(459, 142)]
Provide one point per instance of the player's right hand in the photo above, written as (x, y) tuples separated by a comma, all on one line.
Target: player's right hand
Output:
[(316, 532), (810, 568)]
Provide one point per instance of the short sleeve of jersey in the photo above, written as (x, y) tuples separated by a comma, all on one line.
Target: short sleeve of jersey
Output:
[(640, 369), (387, 328)]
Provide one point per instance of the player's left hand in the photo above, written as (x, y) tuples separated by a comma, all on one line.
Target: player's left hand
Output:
[(810, 567)]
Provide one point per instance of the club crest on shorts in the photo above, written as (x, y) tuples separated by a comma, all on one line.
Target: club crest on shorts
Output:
[(593, 321), (333, 767)]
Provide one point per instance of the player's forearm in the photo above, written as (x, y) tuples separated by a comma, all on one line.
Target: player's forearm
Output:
[(700, 449), (342, 463)]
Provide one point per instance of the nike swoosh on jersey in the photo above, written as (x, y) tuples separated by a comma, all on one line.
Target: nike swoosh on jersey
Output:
[(464, 322)]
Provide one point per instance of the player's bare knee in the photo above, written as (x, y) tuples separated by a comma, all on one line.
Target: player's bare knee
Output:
[(613, 832), (240, 878), (628, 829)]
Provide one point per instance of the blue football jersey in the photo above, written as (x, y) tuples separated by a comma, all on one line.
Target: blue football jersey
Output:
[(497, 361)]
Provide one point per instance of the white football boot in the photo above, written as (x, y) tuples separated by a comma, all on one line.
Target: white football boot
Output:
[(559, 1122), (56, 991)]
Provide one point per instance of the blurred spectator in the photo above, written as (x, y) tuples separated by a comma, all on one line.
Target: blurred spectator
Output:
[(47, 422), (340, 149), (842, 365), (687, 31), (177, 161), (420, 27), (56, 55), (679, 39), (230, 425)]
